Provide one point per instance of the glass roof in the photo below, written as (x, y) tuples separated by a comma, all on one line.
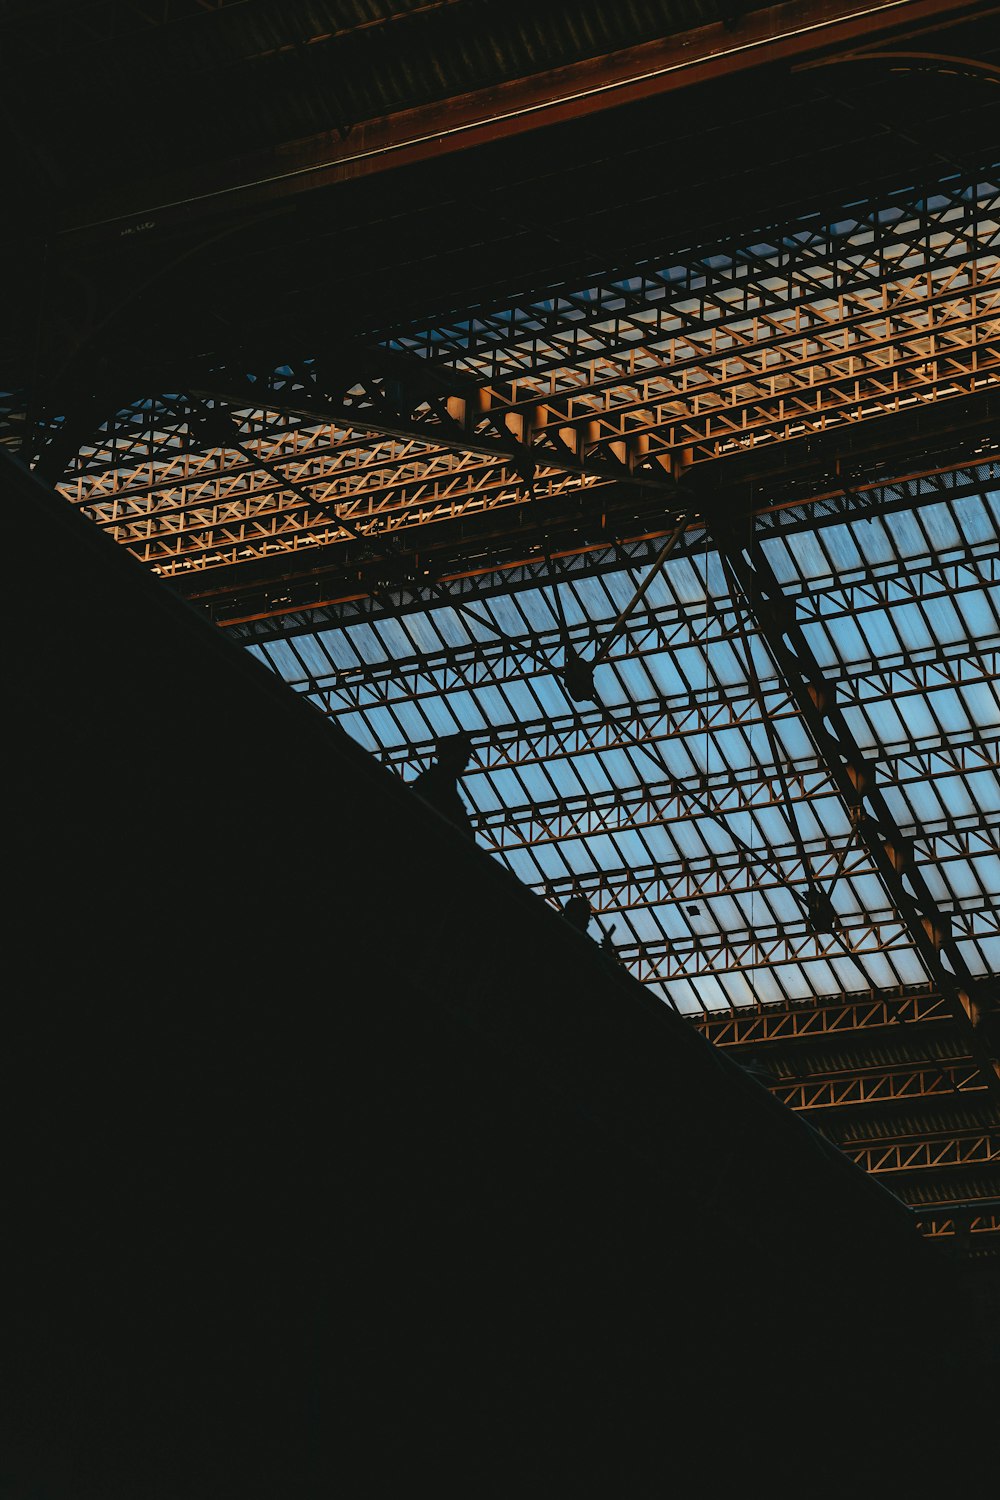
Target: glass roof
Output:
[(690, 802)]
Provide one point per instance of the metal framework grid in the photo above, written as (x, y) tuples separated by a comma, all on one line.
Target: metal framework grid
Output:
[(779, 783), (816, 325)]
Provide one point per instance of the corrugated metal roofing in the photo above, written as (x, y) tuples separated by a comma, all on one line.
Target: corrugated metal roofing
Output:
[(144, 86)]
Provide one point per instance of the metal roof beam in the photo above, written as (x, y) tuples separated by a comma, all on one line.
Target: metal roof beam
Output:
[(847, 1015), (928, 928), (782, 32)]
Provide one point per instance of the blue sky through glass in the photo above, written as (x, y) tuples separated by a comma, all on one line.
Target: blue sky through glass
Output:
[(665, 804)]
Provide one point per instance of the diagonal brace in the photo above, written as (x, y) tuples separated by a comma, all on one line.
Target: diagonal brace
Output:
[(927, 926)]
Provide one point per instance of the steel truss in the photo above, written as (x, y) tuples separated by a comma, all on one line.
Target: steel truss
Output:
[(858, 1013), (689, 878), (918, 1070), (974, 1148), (742, 800), (531, 571), (895, 1085), (931, 931), (978, 1229), (888, 1079), (525, 745), (659, 804), (663, 628), (631, 382)]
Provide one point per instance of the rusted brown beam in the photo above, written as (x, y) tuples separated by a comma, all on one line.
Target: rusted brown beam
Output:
[(784, 32)]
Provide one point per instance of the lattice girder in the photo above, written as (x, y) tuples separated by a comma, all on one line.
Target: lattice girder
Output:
[(631, 382)]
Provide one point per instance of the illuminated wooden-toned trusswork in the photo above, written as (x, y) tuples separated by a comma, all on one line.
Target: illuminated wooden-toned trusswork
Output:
[(702, 549), (628, 385)]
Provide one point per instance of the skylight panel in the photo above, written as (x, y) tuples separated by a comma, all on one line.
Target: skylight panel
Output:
[(423, 631), (782, 560), (898, 800), (280, 655), (620, 769), (736, 749), (393, 639), (467, 710), (906, 531), (491, 704), (636, 926), (944, 621), (867, 891), (727, 669), (633, 682), (660, 842), (903, 963), (662, 590), (792, 738), (663, 800), (961, 881), (955, 524), (557, 860), (636, 850), (368, 644), (662, 669), (820, 976), (939, 887), (412, 722), (955, 796), (692, 666), (588, 596), (522, 865), (918, 720), (823, 818), (786, 980), (912, 628), (359, 728), (892, 725), (811, 563), (983, 956), (882, 723), (611, 687), (833, 651), (725, 913), (506, 788), (877, 631), (312, 656), (948, 705), (523, 706), (671, 753), (874, 542), (984, 787), (590, 769), (339, 646), (979, 610), (685, 582), (601, 852), (841, 548), (687, 840), (453, 626)]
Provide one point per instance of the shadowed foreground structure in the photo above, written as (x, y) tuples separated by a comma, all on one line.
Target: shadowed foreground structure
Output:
[(330, 1145)]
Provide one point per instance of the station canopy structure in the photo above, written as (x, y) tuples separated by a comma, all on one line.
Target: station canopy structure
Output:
[(670, 474)]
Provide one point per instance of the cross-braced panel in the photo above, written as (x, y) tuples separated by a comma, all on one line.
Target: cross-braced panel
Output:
[(802, 329), (693, 782), (760, 736), (692, 803)]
